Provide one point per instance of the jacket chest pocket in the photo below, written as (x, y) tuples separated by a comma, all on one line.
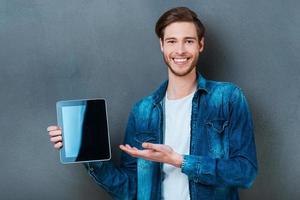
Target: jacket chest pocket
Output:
[(145, 136), (216, 137)]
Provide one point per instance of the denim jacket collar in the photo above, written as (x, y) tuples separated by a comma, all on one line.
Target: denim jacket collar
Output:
[(159, 94)]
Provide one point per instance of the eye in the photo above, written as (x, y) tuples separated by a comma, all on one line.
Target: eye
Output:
[(190, 41), (171, 41)]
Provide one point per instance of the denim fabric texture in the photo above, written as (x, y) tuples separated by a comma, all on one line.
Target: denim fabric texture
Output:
[(222, 154)]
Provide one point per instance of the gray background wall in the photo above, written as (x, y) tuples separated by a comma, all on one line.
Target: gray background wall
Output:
[(52, 50)]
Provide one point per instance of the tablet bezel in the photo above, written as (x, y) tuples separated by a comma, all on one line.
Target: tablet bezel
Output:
[(77, 102)]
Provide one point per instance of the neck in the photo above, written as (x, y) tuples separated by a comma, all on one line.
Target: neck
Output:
[(181, 86)]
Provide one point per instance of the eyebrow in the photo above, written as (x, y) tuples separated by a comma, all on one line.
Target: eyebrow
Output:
[(186, 38)]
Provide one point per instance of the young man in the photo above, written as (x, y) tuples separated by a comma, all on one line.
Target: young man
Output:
[(190, 139)]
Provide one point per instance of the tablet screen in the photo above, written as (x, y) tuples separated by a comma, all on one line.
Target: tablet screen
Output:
[(84, 130)]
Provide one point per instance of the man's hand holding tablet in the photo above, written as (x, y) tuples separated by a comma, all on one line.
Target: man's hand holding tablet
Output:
[(82, 131), (55, 136)]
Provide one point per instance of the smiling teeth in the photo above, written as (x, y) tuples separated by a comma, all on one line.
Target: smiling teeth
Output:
[(180, 59)]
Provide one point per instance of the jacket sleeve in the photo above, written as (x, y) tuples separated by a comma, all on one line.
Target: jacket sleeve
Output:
[(240, 169), (118, 181)]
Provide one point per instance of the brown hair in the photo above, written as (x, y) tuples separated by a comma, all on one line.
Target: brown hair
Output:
[(179, 14)]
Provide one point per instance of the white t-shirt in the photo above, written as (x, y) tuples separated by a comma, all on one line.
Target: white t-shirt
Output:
[(177, 135)]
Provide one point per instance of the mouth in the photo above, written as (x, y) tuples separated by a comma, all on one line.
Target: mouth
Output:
[(180, 61)]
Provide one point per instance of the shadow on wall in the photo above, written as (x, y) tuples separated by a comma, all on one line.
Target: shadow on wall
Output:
[(215, 64)]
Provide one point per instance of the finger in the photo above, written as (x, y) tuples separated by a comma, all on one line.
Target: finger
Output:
[(125, 147), (56, 139), (53, 128), (148, 154), (135, 148), (156, 147), (122, 147), (58, 145), (130, 150), (55, 133), (147, 145), (129, 147)]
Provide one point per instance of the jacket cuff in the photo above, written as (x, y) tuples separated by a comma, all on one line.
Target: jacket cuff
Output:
[(92, 166), (199, 168)]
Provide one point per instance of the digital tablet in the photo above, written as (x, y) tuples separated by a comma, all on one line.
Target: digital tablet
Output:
[(85, 131)]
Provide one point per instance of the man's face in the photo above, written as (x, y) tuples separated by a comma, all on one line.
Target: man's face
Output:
[(181, 47)]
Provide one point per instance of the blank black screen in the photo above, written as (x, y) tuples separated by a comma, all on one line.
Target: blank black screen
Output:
[(85, 131)]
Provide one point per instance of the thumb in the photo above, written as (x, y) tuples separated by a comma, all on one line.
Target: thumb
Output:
[(156, 147)]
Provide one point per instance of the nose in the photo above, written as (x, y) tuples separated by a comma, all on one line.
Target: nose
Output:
[(180, 48)]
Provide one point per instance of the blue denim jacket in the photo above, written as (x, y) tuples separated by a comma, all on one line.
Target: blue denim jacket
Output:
[(222, 154)]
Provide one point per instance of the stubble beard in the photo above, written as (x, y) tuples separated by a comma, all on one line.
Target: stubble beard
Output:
[(184, 73)]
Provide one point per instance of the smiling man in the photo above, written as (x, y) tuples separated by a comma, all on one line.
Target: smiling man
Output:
[(190, 139)]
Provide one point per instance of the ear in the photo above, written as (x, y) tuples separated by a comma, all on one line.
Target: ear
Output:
[(201, 45), (161, 44)]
